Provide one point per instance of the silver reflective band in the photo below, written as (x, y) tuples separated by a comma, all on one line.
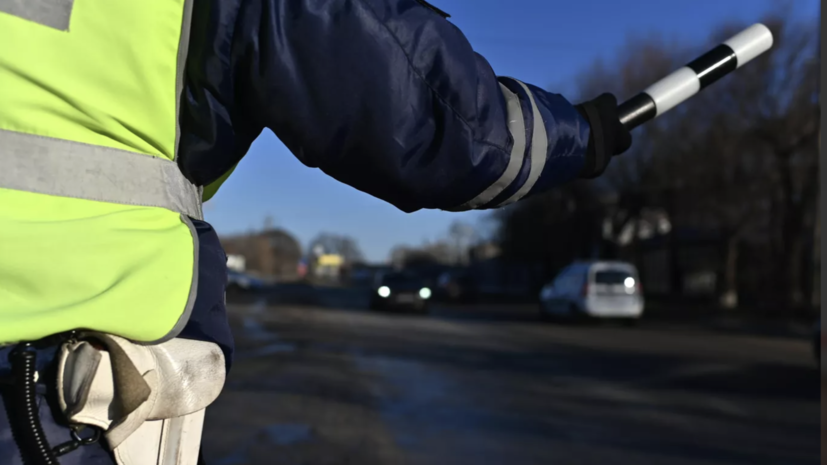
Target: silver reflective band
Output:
[(70, 169), (539, 149), (516, 126), (183, 50), (51, 13)]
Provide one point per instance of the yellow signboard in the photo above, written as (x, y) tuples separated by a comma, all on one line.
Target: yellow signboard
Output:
[(331, 260)]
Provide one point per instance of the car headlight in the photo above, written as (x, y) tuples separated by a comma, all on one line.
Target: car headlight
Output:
[(384, 291), (425, 293)]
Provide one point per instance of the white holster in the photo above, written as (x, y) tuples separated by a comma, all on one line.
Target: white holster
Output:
[(149, 400)]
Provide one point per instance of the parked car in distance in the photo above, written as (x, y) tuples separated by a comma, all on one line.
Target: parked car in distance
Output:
[(455, 286), (240, 282), (400, 291), (597, 289)]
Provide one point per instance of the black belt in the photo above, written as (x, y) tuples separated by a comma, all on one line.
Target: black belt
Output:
[(22, 409)]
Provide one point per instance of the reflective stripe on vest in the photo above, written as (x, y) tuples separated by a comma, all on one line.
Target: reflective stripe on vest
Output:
[(89, 101), (71, 169)]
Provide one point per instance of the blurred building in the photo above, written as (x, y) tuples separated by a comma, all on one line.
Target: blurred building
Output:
[(273, 253), (672, 261), (364, 275), (236, 262), (436, 253), (484, 251), (684, 263), (328, 266), (428, 261), (491, 274)]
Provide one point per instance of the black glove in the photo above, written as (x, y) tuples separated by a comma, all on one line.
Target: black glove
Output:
[(607, 136)]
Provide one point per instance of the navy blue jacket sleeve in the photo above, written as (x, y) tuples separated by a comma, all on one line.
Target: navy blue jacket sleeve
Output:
[(389, 97)]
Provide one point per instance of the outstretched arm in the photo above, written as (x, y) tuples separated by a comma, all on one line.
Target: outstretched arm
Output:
[(389, 97)]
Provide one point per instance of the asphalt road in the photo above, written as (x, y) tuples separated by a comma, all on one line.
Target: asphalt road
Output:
[(316, 385)]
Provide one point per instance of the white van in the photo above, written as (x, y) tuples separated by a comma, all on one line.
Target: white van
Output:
[(600, 289)]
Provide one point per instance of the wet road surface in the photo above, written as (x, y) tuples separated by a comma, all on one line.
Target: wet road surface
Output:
[(315, 386)]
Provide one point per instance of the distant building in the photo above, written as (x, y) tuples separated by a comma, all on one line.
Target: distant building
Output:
[(365, 275), (685, 263), (236, 262), (484, 251), (328, 266), (273, 253), (491, 275)]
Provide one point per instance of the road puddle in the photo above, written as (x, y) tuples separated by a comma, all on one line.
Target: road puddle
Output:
[(287, 434), (255, 331), (269, 349), (279, 434)]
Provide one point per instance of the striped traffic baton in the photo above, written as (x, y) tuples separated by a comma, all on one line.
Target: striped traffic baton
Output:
[(674, 89)]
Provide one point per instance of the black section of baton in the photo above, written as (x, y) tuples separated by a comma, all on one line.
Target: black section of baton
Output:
[(714, 64), (637, 110)]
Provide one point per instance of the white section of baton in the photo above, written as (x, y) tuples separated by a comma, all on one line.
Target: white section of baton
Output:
[(750, 43), (674, 89)]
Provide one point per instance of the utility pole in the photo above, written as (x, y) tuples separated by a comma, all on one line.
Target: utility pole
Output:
[(815, 295), (675, 275)]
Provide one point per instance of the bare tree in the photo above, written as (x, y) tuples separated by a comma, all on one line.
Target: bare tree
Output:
[(338, 244), (753, 166), (788, 128), (739, 159), (462, 236), (552, 229)]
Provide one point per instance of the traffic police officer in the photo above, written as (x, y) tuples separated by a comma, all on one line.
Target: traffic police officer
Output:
[(118, 118)]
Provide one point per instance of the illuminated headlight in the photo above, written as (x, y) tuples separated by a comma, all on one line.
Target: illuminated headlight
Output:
[(629, 282), (384, 291), (425, 293)]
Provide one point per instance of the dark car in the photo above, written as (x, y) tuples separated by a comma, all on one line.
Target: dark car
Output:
[(239, 283), (455, 286), (400, 291)]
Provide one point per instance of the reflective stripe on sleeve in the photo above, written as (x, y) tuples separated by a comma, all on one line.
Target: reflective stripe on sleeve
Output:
[(539, 150), (516, 127)]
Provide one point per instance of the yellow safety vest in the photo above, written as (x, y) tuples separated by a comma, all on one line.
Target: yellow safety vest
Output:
[(94, 227)]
